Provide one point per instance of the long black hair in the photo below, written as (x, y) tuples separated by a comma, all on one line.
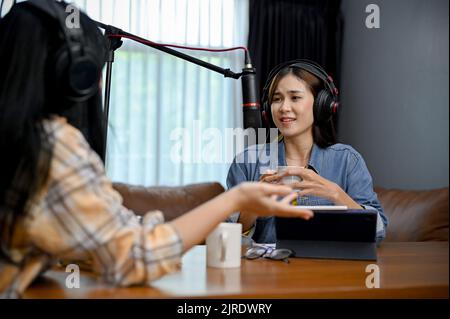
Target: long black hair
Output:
[(28, 41)]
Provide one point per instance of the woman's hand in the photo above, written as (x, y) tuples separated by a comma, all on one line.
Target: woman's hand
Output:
[(261, 199), (251, 199), (315, 185), (312, 183), (270, 176)]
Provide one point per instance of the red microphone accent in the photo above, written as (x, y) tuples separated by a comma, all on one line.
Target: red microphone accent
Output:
[(334, 107), (250, 104)]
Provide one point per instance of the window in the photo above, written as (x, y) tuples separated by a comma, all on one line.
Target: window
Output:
[(162, 105)]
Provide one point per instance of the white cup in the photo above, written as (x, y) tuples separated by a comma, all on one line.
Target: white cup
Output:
[(290, 178), (223, 246)]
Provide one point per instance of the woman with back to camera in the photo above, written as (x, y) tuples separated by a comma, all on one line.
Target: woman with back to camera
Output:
[(299, 99), (55, 199)]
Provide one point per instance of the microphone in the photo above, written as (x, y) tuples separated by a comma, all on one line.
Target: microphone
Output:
[(250, 104)]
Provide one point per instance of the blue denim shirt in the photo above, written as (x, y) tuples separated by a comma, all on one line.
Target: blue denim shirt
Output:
[(338, 163)]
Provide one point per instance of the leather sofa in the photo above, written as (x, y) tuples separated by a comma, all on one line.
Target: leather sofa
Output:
[(413, 215), (172, 201)]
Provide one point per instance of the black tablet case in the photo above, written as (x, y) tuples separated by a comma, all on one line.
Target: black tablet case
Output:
[(349, 234)]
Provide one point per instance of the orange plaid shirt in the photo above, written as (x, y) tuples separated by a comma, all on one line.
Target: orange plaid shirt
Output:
[(79, 216)]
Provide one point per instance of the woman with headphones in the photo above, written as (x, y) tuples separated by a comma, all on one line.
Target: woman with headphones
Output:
[(56, 201), (300, 99)]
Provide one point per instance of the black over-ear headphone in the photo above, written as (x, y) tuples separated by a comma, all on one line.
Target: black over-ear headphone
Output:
[(326, 102), (77, 71)]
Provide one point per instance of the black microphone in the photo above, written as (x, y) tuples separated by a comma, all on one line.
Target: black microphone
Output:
[(250, 96)]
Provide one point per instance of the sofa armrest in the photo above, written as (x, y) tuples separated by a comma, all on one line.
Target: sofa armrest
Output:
[(415, 215), (172, 201)]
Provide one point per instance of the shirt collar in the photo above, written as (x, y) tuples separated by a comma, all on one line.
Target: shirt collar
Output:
[(316, 158)]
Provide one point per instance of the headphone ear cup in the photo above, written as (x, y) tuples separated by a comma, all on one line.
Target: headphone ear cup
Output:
[(323, 107), (79, 79)]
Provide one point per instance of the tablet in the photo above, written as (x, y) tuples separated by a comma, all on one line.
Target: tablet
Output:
[(335, 234), (324, 207)]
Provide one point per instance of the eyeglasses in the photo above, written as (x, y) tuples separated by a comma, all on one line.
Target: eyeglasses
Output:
[(269, 252), (255, 251)]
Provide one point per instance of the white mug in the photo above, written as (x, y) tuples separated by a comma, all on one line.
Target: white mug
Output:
[(223, 246)]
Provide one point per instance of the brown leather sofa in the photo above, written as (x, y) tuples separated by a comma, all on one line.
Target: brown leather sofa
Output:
[(172, 201), (413, 215)]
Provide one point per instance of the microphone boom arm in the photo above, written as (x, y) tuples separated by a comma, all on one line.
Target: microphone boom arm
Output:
[(116, 31), (114, 36)]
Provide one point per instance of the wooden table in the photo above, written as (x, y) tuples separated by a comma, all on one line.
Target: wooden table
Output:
[(407, 270)]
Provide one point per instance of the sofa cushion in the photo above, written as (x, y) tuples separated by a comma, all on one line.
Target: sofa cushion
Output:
[(172, 201), (415, 215)]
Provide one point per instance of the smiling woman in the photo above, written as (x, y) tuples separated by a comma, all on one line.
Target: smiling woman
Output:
[(293, 100), (299, 87), (300, 100)]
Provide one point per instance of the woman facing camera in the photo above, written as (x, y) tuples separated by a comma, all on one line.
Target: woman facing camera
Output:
[(300, 99), (56, 201)]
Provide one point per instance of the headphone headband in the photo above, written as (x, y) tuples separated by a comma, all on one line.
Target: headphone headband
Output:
[(306, 65)]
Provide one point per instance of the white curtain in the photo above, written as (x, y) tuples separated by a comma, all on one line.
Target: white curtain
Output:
[(156, 99)]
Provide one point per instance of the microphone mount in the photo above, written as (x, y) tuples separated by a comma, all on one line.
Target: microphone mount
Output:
[(114, 36)]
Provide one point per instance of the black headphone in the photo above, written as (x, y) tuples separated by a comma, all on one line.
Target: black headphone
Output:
[(77, 71), (326, 102)]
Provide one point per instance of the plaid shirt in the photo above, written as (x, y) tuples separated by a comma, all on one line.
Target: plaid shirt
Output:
[(79, 216)]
